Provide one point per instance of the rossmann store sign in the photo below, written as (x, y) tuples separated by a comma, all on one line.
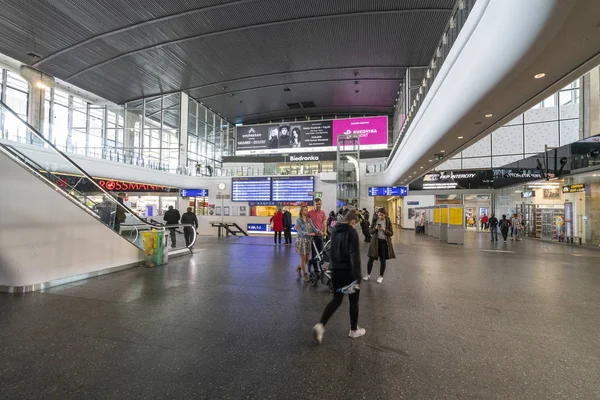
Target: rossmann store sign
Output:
[(111, 185)]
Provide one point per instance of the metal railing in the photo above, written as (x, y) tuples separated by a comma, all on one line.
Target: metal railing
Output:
[(106, 211), (457, 20)]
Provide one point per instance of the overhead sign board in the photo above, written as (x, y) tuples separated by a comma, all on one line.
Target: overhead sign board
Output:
[(193, 192), (310, 136), (528, 194), (576, 188), (389, 191)]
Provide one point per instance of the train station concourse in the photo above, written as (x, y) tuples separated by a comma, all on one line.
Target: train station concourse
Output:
[(194, 191)]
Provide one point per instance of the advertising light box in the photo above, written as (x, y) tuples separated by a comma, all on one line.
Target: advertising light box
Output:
[(310, 136)]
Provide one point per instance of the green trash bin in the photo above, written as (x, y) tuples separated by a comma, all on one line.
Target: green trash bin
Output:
[(153, 247)]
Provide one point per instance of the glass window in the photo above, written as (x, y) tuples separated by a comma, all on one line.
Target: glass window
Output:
[(567, 97)]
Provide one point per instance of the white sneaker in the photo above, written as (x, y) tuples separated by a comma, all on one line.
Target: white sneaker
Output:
[(380, 279), (367, 277), (318, 331), (357, 333)]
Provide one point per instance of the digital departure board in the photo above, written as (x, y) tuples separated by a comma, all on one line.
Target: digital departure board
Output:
[(293, 188), (251, 189)]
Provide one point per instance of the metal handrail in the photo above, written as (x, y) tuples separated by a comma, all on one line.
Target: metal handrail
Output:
[(99, 188)]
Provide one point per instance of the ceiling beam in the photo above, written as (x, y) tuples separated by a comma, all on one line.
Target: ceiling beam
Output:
[(295, 84), (139, 25), (314, 110), (249, 27)]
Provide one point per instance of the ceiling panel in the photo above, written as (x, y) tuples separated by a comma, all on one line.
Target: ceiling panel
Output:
[(124, 50)]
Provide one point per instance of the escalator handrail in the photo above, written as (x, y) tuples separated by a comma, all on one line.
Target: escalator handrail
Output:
[(78, 168), (42, 170)]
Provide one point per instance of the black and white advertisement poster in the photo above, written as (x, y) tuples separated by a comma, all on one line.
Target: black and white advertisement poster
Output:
[(284, 138)]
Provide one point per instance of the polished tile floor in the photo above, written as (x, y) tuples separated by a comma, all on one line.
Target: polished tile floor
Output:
[(479, 321)]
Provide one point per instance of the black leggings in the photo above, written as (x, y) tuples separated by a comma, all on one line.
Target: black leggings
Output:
[(275, 237), (382, 250), (339, 280)]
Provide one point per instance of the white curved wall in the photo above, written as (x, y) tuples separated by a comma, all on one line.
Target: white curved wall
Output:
[(500, 39), (44, 237)]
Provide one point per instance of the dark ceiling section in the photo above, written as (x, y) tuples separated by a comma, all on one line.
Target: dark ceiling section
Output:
[(237, 56)]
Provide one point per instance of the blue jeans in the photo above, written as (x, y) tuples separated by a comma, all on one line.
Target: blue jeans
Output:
[(494, 233)]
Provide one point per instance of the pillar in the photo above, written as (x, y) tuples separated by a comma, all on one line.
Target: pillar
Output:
[(183, 130), (38, 83)]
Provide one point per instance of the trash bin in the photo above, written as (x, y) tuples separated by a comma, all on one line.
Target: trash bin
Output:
[(153, 247)]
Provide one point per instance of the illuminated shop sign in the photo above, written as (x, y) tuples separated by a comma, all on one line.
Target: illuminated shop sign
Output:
[(577, 188), (83, 184), (112, 185)]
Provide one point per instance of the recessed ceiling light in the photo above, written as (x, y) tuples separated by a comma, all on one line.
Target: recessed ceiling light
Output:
[(460, 137), (442, 151), (539, 76), (430, 160), (489, 115), (421, 167)]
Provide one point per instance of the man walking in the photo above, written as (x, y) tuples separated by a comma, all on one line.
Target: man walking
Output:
[(189, 218), (172, 217), (345, 267), (493, 221), (287, 226), (319, 219), (504, 226)]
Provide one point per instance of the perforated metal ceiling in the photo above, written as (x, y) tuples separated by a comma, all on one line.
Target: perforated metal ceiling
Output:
[(235, 56)]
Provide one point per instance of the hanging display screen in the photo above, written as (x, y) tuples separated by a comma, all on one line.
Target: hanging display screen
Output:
[(296, 188), (251, 189)]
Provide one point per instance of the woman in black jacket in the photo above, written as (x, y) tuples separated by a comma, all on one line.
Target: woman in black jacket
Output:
[(381, 244), (345, 266)]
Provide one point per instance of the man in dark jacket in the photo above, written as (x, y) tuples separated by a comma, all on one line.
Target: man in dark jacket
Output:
[(172, 217), (504, 226), (120, 216), (345, 266), (189, 218), (493, 221), (287, 226)]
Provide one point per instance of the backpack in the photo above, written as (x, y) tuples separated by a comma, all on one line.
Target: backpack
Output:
[(504, 224)]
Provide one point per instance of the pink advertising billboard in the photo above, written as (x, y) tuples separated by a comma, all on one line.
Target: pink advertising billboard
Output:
[(310, 136), (373, 131)]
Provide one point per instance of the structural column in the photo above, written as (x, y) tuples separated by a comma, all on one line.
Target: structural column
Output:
[(183, 130), (38, 83)]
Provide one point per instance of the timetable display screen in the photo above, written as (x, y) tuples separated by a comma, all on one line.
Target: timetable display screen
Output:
[(251, 189), (293, 188)]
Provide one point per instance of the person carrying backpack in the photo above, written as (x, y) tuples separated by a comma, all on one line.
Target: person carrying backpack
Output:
[(504, 227)]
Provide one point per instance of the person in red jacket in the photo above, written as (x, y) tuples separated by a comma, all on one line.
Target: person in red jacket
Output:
[(277, 225), (484, 221)]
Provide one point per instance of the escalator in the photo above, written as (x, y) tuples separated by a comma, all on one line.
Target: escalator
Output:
[(54, 231)]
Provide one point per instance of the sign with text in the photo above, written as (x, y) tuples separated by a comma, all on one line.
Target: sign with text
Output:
[(529, 194), (310, 136), (263, 228), (575, 188), (388, 191), (193, 193)]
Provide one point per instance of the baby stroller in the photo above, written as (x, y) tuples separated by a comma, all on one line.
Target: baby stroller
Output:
[(322, 274)]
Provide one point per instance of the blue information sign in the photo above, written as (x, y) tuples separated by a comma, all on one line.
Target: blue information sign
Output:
[(193, 193), (388, 191), (293, 188), (262, 228), (251, 189)]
